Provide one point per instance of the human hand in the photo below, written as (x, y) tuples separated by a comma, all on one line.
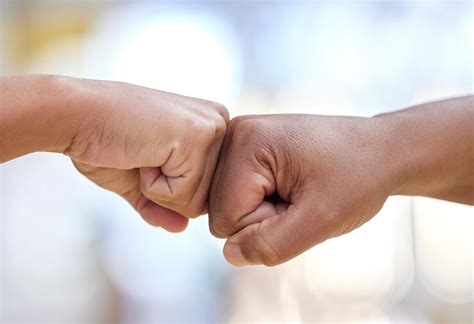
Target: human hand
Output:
[(157, 150), (285, 183), (316, 177)]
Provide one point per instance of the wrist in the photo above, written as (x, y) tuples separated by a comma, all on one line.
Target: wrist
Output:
[(64, 102), (80, 111), (77, 109), (428, 149), (39, 113), (397, 157), (415, 150)]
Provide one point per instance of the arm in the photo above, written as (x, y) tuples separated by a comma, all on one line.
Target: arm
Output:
[(37, 113), (157, 150), (285, 183), (433, 149)]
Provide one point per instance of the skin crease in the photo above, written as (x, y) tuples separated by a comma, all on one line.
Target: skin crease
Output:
[(285, 183), (156, 149)]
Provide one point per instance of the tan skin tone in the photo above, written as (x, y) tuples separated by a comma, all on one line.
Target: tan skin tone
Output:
[(283, 183), (157, 150)]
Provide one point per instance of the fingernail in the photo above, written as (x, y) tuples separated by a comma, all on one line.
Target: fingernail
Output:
[(233, 255)]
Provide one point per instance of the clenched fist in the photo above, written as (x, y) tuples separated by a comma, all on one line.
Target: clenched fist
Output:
[(285, 183), (158, 150)]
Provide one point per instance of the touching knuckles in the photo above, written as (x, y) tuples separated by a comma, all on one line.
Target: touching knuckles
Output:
[(315, 188), (259, 156)]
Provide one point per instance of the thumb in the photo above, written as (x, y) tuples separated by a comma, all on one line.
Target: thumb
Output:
[(285, 232)]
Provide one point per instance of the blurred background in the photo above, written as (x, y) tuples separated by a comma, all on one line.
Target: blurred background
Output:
[(73, 253)]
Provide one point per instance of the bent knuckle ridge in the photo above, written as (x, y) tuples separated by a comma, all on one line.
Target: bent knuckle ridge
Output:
[(157, 195), (234, 124), (179, 198), (268, 254), (220, 129), (219, 226), (145, 188), (221, 109), (247, 128), (194, 212), (205, 131)]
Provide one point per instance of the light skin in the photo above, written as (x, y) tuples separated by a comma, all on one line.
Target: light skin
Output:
[(285, 183), (155, 149)]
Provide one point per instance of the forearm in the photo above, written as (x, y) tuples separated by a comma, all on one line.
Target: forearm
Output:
[(37, 113), (431, 148)]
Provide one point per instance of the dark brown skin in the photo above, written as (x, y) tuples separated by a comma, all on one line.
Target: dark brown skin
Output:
[(156, 149), (285, 183)]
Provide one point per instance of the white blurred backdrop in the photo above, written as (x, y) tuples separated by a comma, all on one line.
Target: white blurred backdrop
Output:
[(73, 253)]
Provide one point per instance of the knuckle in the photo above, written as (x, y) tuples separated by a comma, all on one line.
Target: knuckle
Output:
[(268, 253), (238, 121), (174, 197), (145, 188), (219, 226), (221, 127), (195, 211), (249, 138), (193, 214), (204, 130), (215, 107), (180, 199), (188, 213), (221, 110), (243, 127), (209, 131)]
